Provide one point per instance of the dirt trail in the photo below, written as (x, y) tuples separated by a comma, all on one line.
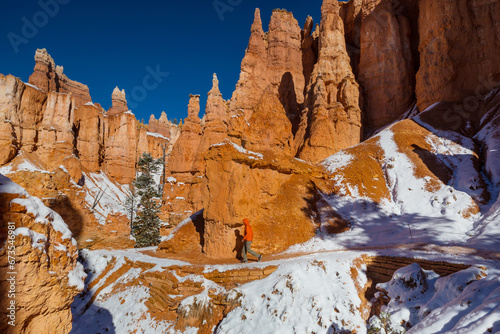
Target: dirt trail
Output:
[(196, 258)]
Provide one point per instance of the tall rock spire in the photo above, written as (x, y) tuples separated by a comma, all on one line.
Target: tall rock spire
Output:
[(256, 44), (273, 60), (215, 86), (332, 118)]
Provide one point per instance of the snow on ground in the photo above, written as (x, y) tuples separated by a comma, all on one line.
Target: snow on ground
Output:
[(310, 293), (104, 196), (336, 161), (306, 295), (155, 134), (121, 311), (409, 194), (24, 165), (463, 302), (488, 228), (35, 206), (413, 214)]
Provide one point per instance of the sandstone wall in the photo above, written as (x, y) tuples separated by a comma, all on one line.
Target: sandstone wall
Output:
[(48, 275), (459, 43)]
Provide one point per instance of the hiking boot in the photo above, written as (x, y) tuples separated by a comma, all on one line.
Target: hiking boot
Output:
[(243, 261), (260, 258)]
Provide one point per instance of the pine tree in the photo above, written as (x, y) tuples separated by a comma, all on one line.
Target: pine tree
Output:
[(146, 226)]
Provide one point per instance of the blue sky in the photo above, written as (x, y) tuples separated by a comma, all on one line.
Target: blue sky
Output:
[(104, 44)]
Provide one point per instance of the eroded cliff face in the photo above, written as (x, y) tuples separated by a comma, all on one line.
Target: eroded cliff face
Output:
[(331, 119), (50, 78), (459, 43), (47, 273), (54, 118), (273, 61), (276, 193), (76, 155), (302, 93)]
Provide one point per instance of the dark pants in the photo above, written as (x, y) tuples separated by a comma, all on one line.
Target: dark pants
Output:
[(246, 248)]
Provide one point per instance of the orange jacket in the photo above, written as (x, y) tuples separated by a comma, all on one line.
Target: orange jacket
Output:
[(248, 232)]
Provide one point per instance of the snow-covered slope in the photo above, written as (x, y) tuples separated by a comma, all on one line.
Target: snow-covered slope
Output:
[(423, 302), (315, 293), (413, 183), (104, 196)]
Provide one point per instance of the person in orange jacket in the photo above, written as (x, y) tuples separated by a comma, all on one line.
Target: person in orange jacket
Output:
[(247, 242)]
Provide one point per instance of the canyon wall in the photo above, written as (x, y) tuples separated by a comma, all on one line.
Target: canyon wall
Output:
[(54, 118), (310, 93)]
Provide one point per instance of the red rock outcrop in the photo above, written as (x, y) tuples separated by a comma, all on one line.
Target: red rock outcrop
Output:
[(118, 101), (55, 131), (273, 192), (89, 128), (37, 121), (121, 147), (386, 66), (47, 274), (48, 117), (332, 118), (186, 165), (459, 43), (50, 78), (272, 59), (270, 130), (184, 153), (182, 193), (214, 124), (163, 126)]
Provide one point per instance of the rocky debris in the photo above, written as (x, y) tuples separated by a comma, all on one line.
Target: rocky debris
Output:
[(118, 101), (459, 43), (332, 118), (50, 78), (48, 275)]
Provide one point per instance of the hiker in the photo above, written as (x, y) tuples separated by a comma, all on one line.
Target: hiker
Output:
[(247, 242)]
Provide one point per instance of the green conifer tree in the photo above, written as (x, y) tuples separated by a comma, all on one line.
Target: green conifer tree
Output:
[(146, 225)]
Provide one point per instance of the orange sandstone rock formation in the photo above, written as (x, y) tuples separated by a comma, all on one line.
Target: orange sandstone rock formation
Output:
[(272, 191), (274, 60), (47, 273), (332, 118), (119, 102), (49, 77), (459, 43)]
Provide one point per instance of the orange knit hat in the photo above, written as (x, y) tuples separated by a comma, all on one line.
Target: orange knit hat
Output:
[(246, 221)]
